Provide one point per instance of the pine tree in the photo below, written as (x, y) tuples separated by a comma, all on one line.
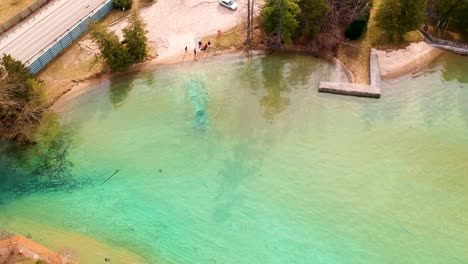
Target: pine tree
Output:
[(115, 53), (453, 12), (312, 15), (122, 4), (396, 17), (281, 17), (135, 37)]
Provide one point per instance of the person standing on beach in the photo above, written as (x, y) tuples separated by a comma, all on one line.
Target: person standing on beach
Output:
[(185, 49)]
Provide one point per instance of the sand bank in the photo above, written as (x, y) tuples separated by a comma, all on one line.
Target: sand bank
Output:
[(405, 61), (73, 245), (18, 247)]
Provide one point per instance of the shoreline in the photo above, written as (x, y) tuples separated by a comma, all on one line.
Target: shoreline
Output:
[(77, 88), (74, 246), (393, 64), (82, 86), (415, 57)]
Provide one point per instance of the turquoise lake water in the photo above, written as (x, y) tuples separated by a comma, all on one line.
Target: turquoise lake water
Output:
[(229, 162)]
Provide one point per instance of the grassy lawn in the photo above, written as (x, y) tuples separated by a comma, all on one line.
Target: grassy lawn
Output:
[(10, 8), (235, 37), (232, 38)]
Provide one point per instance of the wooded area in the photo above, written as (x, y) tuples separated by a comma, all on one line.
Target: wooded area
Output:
[(322, 24)]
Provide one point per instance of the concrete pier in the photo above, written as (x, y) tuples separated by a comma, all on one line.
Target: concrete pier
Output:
[(363, 90)]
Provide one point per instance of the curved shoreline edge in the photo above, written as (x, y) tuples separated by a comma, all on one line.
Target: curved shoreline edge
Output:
[(415, 57), (393, 64), (20, 247), (82, 86)]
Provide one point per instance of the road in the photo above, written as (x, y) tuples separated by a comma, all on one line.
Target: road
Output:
[(41, 30)]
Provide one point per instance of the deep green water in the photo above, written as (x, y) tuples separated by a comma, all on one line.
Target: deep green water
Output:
[(222, 162)]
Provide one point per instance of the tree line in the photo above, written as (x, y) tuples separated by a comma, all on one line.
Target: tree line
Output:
[(448, 13), (321, 21), (325, 23)]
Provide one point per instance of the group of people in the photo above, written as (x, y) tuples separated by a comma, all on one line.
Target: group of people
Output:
[(205, 47), (200, 47)]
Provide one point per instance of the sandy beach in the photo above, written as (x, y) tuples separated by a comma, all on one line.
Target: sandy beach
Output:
[(405, 61), (72, 245), (173, 25)]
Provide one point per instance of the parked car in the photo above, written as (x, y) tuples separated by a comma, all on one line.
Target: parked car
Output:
[(228, 4)]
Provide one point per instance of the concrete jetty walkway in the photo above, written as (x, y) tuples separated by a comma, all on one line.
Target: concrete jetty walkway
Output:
[(373, 90)]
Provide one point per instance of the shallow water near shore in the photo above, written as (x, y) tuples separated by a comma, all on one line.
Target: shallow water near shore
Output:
[(227, 161)]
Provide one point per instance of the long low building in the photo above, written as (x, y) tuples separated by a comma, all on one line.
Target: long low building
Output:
[(46, 33)]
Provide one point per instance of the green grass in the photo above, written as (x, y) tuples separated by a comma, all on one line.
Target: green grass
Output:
[(232, 38)]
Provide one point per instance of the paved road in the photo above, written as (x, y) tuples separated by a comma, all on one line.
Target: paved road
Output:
[(42, 29)]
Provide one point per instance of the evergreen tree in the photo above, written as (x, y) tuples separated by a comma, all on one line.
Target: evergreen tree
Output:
[(282, 18), (135, 37), (455, 11), (396, 17), (312, 15), (122, 4), (115, 53)]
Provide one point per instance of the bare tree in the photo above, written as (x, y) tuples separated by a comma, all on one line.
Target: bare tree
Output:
[(279, 33), (249, 36), (250, 21), (340, 15)]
